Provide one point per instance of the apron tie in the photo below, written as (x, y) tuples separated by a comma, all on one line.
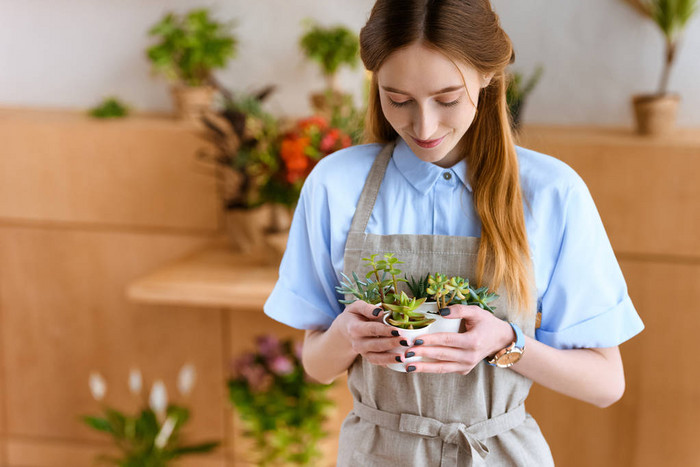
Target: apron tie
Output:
[(455, 435)]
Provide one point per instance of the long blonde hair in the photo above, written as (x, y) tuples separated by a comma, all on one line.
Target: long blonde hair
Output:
[(468, 31)]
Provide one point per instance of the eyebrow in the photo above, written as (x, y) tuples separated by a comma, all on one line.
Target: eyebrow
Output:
[(441, 91)]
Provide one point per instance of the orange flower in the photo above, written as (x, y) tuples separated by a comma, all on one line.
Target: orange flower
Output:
[(294, 157), (310, 122)]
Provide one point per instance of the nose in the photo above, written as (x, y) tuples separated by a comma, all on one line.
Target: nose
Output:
[(425, 123)]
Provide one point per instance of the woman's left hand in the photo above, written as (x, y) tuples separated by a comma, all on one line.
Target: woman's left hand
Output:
[(460, 352)]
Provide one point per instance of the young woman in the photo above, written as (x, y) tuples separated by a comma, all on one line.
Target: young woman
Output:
[(445, 189)]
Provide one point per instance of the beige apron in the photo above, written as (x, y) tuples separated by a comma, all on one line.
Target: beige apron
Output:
[(421, 419)]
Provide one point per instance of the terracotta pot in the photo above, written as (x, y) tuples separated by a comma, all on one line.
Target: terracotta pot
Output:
[(246, 229), (192, 102), (323, 103), (655, 114)]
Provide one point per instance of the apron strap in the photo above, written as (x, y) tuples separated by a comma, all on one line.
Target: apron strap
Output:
[(371, 189), (454, 435)]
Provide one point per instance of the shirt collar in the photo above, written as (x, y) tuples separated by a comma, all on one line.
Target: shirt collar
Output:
[(423, 175)]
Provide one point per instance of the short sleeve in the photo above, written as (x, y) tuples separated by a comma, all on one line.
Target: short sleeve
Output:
[(304, 297), (586, 304)]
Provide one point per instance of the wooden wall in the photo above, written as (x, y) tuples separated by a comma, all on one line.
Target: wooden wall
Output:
[(648, 194), (85, 207)]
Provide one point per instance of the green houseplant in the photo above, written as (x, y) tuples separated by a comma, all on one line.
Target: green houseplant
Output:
[(656, 113), (151, 437), (417, 314), (281, 408), (189, 48), (332, 48), (517, 91), (110, 107)]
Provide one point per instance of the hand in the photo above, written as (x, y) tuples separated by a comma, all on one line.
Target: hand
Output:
[(460, 352), (361, 324)]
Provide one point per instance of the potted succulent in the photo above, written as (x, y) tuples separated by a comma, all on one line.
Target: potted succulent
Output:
[(189, 48), (414, 315), (331, 48), (517, 91), (655, 114)]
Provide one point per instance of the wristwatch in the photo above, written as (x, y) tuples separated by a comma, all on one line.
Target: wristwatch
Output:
[(511, 354)]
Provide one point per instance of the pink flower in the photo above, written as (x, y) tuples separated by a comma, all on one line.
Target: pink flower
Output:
[(257, 377), (281, 365), (269, 346)]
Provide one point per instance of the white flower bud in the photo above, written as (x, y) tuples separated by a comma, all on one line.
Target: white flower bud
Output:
[(135, 381), (165, 431), (158, 400), (185, 379), (98, 386)]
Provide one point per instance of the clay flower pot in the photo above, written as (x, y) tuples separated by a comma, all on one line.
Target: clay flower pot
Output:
[(192, 102), (655, 114)]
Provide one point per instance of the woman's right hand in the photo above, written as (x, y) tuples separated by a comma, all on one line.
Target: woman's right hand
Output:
[(361, 324)]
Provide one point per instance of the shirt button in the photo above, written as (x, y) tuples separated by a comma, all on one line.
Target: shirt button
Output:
[(447, 175)]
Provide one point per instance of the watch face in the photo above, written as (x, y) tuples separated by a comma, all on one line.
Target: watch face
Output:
[(509, 358)]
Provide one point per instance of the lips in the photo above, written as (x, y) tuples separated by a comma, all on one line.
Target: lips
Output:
[(431, 143)]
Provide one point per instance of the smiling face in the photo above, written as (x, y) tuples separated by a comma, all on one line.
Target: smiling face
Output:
[(423, 97)]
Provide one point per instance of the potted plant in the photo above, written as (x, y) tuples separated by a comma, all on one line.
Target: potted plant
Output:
[(331, 48), (655, 114), (189, 48), (414, 315), (243, 147), (282, 410), (151, 436), (110, 107), (517, 91)]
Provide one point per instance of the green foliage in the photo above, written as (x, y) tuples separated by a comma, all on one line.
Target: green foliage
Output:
[(418, 287), (282, 410), (330, 47), (191, 46), (142, 440), (367, 290), (110, 107), (518, 89), (671, 16)]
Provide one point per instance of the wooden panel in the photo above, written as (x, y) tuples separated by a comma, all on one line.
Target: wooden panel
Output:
[(214, 277), (654, 423), (65, 314), (37, 453), (242, 333), (645, 189), (141, 171)]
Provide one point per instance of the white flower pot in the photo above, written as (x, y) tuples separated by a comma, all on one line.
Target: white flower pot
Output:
[(440, 325)]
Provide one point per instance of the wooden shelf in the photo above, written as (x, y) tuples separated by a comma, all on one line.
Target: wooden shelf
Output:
[(215, 277)]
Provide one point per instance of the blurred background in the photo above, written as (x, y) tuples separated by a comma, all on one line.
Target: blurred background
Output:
[(140, 234)]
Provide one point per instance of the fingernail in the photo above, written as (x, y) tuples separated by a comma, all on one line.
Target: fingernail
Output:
[(410, 368), (444, 311), (410, 354), (376, 311), (398, 358), (418, 342), (404, 343), (395, 333)]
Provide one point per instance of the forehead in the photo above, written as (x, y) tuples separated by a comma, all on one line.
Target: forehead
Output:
[(421, 70)]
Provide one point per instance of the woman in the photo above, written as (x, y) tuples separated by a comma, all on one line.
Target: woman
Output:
[(445, 189)]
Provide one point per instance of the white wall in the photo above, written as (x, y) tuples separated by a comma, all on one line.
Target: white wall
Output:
[(71, 53)]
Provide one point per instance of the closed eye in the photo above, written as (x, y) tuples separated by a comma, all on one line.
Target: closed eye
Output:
[(399, 104), (449, 104)]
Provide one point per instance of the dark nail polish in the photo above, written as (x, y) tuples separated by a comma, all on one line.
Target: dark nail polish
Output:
[(404, 343), (410, 354), (418, 342), (398, 358), (444, 311), (410, 368), (395, 333), (376, 311)]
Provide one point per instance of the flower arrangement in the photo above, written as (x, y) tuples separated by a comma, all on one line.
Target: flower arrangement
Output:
[(151, 437), (282, 410), (381, 287), (300, 149)]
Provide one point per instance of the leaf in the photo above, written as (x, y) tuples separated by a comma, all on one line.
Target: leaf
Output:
[(99, 423), (198, 448)]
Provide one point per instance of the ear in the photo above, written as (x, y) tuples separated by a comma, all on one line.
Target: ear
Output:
[(486, 79)]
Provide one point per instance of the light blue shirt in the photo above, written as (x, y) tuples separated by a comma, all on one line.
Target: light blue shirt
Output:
[(581, 291)]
